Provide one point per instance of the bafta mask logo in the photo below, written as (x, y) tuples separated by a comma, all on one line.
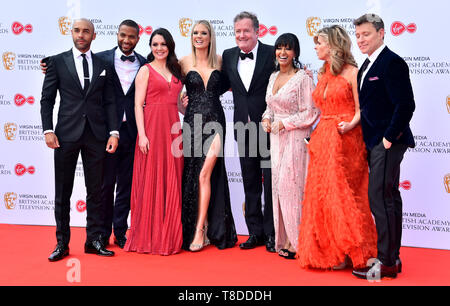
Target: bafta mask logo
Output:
[(64, 25), (10, 200), (448, 104), (313, 25), (185, 25), (10, 130), (447, 182), (9, 60)]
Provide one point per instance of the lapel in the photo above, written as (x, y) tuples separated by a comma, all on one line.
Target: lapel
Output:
[(111, 62), (366, 88), (259, 65), (70, 63), (141, 63), (234, 70), (96, 70)]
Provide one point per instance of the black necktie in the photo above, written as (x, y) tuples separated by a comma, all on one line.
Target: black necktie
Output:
[(86, 73), (243, 55), (130, 58), (362, 69)]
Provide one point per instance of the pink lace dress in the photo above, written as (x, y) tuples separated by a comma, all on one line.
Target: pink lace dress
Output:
[(293, 105)]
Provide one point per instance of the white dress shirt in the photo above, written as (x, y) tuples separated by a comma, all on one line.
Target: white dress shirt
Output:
[(246, 68), (126, 71), (372, 59), (79, 64)]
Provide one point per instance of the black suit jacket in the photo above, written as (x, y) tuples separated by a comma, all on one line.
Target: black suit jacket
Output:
[(386, 101), (251, 103), (97, 106), (124, 102)]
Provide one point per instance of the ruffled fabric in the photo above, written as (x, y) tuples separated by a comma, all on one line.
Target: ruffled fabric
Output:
[(336, 217)]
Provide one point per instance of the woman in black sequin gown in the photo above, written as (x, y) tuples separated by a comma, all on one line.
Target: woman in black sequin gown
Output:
[(206, 211)]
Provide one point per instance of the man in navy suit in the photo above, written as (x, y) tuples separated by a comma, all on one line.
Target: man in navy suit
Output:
[(118, 169), (387, 104)]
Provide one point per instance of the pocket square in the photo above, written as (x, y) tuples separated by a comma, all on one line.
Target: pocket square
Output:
[(373, 78), (103, 73)]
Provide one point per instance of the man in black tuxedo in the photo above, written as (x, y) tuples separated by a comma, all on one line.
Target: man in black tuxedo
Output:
[(118, 170), (387, 104), (87, 123), (247, 69)]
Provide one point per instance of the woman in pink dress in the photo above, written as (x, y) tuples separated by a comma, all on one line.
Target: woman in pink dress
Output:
[(158, 162), (289, 117)]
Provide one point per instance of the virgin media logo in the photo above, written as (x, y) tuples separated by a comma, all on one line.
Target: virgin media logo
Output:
[(147, 30), (263, 30), (397, 28), (405, 185), (18, 28), (80, 206), (20, 100), (20, 170)]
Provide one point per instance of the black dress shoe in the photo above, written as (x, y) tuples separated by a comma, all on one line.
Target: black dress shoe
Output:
[(376, 272), (59, 253), (270, 244), (105, 241), (398, 263), (97, 247), (252, 242), (120, 241)]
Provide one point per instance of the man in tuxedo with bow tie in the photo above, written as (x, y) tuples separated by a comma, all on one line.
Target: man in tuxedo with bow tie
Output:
[(247, 68), (124, 63), (87, 124), (387, 104)]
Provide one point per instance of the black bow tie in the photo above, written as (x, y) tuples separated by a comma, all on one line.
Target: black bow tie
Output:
[(243, 55), (130, 58)]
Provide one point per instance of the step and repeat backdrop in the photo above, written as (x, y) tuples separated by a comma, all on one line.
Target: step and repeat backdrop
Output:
[(32, 30)]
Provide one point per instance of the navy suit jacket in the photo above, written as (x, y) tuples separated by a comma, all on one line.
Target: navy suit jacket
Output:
[(124, 102), (386, 101)]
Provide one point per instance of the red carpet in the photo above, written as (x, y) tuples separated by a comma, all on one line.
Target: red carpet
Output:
[(25, 249)]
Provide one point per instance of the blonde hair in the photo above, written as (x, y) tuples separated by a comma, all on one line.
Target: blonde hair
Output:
[(212, 56), (340, 47)]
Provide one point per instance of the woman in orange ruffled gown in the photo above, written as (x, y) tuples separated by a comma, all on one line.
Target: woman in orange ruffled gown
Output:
[(337, 227)]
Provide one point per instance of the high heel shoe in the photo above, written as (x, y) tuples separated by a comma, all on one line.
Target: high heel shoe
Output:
[(195, 247), (205, 237), (344, 264)]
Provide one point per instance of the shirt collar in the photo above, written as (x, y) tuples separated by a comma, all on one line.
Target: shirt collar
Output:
[(119, 53), (377, 52), (77, 53)]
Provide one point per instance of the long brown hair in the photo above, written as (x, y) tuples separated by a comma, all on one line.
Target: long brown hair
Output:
[(172, 60), (340, 47)]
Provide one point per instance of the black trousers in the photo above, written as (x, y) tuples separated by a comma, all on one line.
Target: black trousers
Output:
[(385, 199), (256, 174), (66, 156), (118, 175)]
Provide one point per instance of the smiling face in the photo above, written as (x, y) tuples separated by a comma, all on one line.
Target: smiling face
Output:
[(245, 34), (159, 47), (83, 34), (127, 38), (201, 37), (322, 48), (368, 38), (284, 55)]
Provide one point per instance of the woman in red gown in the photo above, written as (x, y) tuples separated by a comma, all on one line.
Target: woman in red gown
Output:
[(158, 162), (337, 226)]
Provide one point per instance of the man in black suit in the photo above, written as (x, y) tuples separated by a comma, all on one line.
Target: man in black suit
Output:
[(387, 104), (118, 169), (247, 69), (87, 123)]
